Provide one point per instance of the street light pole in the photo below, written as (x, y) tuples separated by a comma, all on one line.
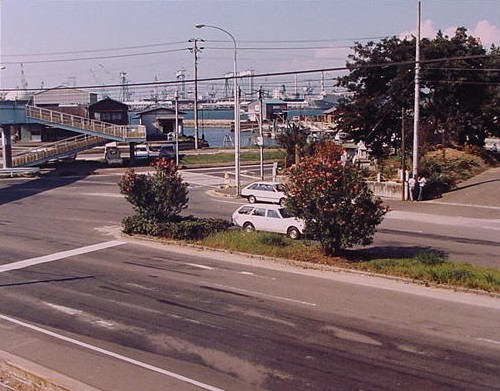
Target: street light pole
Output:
[(237, 142), (195, 49)]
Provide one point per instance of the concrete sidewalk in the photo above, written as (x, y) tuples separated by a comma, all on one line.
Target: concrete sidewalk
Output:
[(478, 197)]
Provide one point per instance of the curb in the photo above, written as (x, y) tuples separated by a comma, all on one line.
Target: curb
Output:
[(22, 375)]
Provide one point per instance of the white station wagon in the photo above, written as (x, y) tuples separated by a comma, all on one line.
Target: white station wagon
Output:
[(264, 192), (271, 218)]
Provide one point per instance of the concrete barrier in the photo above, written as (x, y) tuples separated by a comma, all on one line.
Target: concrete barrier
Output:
[(386, 189)]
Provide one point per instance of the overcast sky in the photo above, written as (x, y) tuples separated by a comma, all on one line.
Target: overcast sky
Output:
[(148, 39)]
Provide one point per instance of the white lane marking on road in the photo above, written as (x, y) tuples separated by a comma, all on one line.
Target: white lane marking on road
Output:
[(262, 294), (114, 195), (464, 204), (488, 340), (200, 266), (63, 309), (256, 275), (111, 354), (60, 255), (229, 202), (202, 179)]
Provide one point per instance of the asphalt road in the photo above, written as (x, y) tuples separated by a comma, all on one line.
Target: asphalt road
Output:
[(223, 320)]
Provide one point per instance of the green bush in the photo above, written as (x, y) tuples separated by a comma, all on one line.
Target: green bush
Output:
[(437, 184), (197, 229), (188, 228), (445, 168), (161, 196), (140, 225), (334, 200)]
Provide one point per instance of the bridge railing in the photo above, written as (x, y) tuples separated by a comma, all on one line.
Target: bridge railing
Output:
[(123, 132), (56, 149)]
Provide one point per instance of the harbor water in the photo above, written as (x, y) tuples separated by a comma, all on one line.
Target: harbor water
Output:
[(224, 137), (219, 137)]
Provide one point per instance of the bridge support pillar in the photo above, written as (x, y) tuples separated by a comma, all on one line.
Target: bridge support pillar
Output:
[(6, 147), (131, 149)]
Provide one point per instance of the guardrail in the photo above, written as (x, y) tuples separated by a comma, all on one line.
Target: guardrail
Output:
[(123, 132), (19, 171), (57, 149)]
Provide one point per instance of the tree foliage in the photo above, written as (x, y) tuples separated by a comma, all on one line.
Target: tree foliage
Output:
[(294, 140), (334, 200), (458, 96), (159, 197)]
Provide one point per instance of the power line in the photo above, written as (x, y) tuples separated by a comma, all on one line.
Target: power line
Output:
[(95, 58), (93, 50), (284, 73)]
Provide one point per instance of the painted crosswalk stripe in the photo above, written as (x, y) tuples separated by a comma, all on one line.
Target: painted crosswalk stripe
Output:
[(61, 255)]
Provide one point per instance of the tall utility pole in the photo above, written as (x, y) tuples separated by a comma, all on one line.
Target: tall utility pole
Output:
[(416, 116), (195, 49), (176, 97), (403, 153), (261, 135)]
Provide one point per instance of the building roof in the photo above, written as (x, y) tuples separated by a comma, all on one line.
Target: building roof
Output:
[(165, 110), (62, 87), (108, 99)]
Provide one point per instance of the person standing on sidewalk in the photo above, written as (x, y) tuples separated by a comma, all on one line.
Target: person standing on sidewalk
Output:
[(411, 188), (421, 184)]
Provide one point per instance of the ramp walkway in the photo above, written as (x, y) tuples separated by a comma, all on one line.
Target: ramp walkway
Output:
[(92, 133), (66, 148)]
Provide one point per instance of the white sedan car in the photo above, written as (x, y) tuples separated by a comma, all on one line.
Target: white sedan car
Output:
[(271, 218), (264, 192)]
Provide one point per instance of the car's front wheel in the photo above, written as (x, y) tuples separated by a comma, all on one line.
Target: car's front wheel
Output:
[(293, 233), (252, 199), (248, 227)]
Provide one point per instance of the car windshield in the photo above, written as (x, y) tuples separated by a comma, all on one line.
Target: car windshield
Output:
[(286, 213)]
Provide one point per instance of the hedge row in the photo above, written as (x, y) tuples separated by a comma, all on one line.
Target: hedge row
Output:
[(188, 228)]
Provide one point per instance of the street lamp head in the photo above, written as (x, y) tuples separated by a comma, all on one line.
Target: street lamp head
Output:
[(199, 26)]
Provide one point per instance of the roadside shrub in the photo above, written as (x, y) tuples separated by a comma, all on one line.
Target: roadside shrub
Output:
[(334, 200), (196, 229), (445, 168), (437, 184), (161, 196), (180, 229), (140, 225)]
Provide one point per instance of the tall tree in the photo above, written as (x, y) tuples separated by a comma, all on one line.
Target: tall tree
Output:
[(456, 91)]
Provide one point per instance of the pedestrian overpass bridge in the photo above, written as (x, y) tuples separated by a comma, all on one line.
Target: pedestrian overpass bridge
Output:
[(90, 134)]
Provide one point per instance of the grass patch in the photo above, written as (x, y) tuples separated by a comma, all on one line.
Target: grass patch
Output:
[(450, 273), (251, 155), (427, 267), (265, 243)]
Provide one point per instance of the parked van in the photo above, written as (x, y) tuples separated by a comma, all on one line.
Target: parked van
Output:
[(141, 152), (112, 154)]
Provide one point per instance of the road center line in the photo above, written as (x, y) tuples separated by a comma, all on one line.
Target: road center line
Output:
[(111, 354), (262, 294), (60, 255), (200, 266)]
